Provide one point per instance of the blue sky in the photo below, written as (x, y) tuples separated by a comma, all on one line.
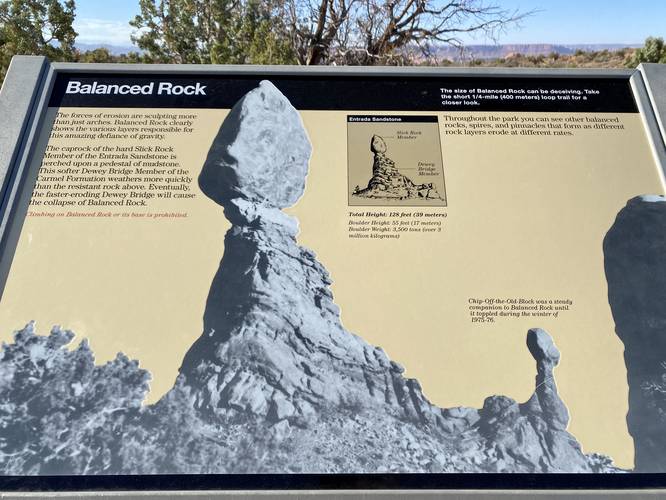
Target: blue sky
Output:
[(556, 21)]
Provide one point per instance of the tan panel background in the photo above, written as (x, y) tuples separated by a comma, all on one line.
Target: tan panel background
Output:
[(525, 218)]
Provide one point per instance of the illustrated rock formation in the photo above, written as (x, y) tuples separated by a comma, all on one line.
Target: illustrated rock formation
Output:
[(635, 263), (387, 181)]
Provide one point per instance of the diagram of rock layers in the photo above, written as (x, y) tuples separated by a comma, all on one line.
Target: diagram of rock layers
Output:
[(395, 160)]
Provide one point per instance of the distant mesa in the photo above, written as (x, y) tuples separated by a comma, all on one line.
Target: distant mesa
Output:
[(388, 183), (486, 52)]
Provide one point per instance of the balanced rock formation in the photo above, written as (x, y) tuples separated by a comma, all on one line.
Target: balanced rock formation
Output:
[(387, 182), (274, 351), (635, 263), (273, 344)]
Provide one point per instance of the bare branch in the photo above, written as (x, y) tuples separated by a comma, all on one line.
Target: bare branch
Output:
[(387, 31)]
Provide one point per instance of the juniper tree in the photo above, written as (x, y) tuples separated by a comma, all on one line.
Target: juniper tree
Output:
[(36, 27), (211, 31)]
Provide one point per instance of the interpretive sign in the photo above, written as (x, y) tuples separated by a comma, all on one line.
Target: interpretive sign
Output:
[(274, 271)]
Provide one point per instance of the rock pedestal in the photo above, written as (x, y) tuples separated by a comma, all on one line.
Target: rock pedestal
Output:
[(273, 344), (388, 183)]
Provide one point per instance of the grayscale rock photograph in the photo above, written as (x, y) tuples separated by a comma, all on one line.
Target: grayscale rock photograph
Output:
[(276, 384), (635, 263)]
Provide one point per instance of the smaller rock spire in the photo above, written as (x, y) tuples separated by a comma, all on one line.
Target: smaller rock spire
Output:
[(547, 357)]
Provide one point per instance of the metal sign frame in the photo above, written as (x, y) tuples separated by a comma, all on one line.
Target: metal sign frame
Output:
[(24, 99)]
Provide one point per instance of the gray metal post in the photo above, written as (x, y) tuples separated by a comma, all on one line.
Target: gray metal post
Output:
[(17, 99)]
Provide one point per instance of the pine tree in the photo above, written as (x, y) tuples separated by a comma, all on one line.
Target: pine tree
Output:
[(36, 27), (211, 31)]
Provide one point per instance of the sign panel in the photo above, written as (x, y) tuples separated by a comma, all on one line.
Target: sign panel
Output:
[(336, 273)]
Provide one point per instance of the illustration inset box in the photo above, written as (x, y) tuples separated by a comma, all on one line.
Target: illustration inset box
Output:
[(394, 161)]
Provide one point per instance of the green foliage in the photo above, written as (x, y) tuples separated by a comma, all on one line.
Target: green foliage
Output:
[(100, 55), (275, 32), (36, 27), (654, 51), (103, 55), (215, 31)]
